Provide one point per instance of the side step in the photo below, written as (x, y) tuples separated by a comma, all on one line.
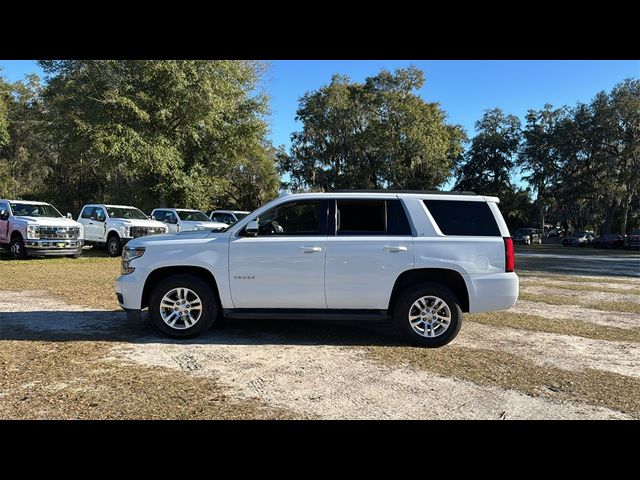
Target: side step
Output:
[(304, 314)]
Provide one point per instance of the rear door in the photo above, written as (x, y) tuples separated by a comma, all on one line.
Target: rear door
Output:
[(86, 218), (369, 245)]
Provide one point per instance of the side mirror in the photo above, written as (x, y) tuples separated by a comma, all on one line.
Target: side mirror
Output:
[(251, 230), (4, 214), (153, 217), (69, 215)]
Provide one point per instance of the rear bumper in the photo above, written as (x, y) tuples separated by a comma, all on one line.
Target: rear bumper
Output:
[(54, 247), (487, 293)]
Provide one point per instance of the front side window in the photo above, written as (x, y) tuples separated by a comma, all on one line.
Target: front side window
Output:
[(294, 218), (4, 211), (131, 212), (33, 210), (99, 214)]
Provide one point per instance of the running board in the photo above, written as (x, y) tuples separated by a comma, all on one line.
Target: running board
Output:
[(304, 314)]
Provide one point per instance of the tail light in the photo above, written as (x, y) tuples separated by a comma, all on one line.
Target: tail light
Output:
[(509, 255)]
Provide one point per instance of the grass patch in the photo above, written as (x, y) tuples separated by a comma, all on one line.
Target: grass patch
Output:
[(576, 278), (609, 306), (504, 370), (72, 380), (583, 288), (537, 323), (83, 281)]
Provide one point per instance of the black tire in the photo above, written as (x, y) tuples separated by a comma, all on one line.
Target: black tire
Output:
[(114, 247), (17, 248), (411, 295), (77, 255), (207, 297)]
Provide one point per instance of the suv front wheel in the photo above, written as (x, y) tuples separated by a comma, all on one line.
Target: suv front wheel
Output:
[(428, 315), (182, 306)]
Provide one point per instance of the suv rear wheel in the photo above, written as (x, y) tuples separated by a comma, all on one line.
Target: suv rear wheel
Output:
[(182, 306), (428, 315)]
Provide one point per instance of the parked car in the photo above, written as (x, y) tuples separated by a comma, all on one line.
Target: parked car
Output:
[(182, 219), (367, 256), (579, 239), (30, 228), (228, 216), (115, 225), (610, 240), (527, 236), (633, 239)]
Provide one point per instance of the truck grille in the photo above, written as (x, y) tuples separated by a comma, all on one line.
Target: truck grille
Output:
[(142, 231), (59, 233)]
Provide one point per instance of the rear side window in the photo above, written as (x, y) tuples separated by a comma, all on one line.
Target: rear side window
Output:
[(463, 218), (371, 217)]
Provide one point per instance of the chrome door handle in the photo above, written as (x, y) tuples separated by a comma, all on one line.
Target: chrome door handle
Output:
[(90, 223), (395, 249), (310, 249)]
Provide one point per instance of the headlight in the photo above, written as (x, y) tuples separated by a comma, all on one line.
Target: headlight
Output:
[(80, 232), (33, 232), (126, 232), (128, 255)]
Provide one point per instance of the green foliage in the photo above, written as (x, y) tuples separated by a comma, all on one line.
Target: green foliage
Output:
[(375, 134)]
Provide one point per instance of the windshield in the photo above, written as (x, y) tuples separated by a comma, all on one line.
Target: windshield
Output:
[(126, 212), (31, 210), (240, 216), (523, 231), (193, 216), (635, 232)]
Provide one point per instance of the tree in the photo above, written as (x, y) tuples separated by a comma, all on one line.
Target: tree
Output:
[(539, 154), (151, 133), (376, 134)]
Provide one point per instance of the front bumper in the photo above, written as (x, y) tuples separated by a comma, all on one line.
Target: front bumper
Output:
[(54, 247)]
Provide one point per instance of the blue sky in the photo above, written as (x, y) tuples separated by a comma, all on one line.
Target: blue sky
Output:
[(464, 88)]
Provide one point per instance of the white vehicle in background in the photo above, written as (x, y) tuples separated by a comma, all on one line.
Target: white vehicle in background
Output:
[(36, 228), (115, 225), (228, 216), (182, 220)]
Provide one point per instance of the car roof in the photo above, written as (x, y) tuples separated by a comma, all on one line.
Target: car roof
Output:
[(108, 205), (422, 194), (230, 211), (28, 202)]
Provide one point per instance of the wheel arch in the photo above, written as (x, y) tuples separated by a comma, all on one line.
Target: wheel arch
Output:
[(448, 278), (160, 274)]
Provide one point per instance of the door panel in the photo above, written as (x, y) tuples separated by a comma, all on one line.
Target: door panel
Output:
[(4, 224), (282, 267)]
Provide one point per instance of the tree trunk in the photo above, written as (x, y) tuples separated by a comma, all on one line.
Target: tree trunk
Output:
[(611, 211), (625, 213)]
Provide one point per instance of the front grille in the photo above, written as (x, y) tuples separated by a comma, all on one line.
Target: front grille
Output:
[(59, 233), (142, 231)]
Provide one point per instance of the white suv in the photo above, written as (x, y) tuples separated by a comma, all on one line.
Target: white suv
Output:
[(182, 220), (115, 225), (420, 258)]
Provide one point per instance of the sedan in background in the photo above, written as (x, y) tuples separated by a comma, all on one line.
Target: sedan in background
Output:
[(633, 239), (527, 236), (182, 219), (610, 240), (579, 239)]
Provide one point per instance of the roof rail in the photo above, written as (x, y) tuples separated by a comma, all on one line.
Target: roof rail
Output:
[(430, 192)]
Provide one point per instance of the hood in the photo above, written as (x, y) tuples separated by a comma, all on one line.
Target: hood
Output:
[(187, 236), (137, 223), (51, 221)]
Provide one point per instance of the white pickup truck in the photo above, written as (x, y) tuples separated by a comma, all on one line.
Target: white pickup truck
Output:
[(115, 225), (30, 228), (182, 220), (419, 258)]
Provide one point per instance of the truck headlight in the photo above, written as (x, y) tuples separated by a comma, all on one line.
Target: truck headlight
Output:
[(128, 255), (33, 232), (126, 232), (80, 232)]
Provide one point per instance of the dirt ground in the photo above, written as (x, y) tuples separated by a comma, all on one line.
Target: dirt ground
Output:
[(68, 355)]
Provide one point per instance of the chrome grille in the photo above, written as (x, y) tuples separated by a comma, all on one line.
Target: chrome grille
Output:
[(142, 231), (59, 233)]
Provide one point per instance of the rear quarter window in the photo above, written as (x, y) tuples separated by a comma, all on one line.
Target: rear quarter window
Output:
[(463, 218)]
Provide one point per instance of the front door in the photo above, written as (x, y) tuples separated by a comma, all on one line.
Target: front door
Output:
[(283, 266), (371, 247), (94, 229)]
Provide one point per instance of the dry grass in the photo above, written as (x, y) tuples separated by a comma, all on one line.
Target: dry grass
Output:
[(72, 380), (84, 281), (609, 306), (537, 323), (581, 288), (575, 278), (504, 370)]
